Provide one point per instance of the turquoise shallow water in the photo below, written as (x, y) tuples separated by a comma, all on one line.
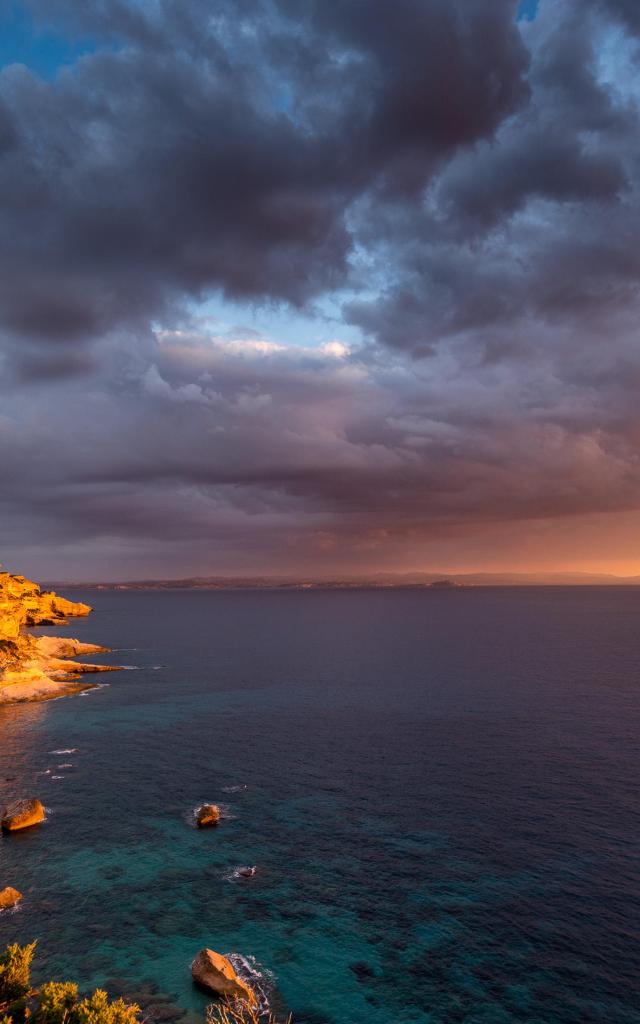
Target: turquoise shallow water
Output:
[(439, 790)]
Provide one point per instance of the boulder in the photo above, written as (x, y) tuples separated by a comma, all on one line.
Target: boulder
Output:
[(216, 974), (22, 814), (9, 897), (208, 814)]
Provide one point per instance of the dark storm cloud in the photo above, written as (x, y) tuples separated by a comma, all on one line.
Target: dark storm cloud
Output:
[(204, 150), (467, 187), (425, 86), (540, 222), (120, 208), (627, 11), (250, 449)]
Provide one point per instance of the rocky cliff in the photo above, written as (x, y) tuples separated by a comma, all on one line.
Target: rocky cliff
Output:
[(38, 668)]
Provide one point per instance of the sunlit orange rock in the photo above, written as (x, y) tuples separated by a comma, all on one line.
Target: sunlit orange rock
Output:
[(208, 814), (35, 668), (9, 897), (22, 814), (51, 608), (216, 974), (65, 647)]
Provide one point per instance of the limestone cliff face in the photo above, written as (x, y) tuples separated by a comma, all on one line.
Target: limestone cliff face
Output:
[(35, 668)]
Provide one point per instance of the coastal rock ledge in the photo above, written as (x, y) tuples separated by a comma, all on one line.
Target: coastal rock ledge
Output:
[(39, 668), (216, 974), (22, 814)]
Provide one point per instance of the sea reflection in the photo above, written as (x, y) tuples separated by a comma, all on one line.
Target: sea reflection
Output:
[(20, 727)]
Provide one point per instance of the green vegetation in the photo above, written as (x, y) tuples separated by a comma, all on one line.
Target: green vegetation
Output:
[(98, 1010), (56, 1002), (15, 964)]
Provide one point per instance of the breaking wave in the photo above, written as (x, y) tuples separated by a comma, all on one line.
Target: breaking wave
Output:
[(257, 977)]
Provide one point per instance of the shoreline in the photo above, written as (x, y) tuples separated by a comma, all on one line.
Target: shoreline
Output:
[(37, 692), (41, 668)]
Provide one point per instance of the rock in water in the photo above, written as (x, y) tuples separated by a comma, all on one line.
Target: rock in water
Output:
[(9, 897), (208, 814), (216, 974), (22, 814)]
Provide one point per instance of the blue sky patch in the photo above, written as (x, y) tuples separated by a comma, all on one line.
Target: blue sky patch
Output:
[(528, 9), (40, 49)]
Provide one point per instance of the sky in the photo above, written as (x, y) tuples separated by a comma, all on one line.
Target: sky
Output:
[(315, 287)]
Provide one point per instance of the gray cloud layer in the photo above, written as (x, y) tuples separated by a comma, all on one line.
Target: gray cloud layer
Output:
[(467, 183)]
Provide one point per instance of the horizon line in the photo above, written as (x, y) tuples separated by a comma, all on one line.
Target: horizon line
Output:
[(378, 579)]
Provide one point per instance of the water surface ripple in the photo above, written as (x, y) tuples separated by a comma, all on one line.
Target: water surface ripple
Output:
[(439, 790)]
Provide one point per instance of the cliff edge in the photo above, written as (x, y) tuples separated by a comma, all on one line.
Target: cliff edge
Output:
[(38, 668)]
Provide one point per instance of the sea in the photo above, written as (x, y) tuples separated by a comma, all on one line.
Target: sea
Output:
[(439, 791)]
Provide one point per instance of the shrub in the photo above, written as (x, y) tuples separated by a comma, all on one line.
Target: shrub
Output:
[(56, 1002), (98, 1010), (227, 1012), (15, 963)]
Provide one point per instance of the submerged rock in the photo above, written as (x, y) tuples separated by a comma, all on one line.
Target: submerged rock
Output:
[(22, 814), (9, 897), (208, 814), (215, 973)]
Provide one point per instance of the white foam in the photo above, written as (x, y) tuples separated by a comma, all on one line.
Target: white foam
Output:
[(239, 874), (66, 750), (256, 976), (11, 910), (94, 689)]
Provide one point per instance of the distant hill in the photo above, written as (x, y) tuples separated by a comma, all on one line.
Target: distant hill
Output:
[(422, 580)]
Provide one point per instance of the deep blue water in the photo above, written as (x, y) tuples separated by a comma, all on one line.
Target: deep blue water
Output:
[(441, 799)]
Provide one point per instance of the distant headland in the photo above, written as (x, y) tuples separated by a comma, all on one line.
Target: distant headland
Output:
[(373, 581)]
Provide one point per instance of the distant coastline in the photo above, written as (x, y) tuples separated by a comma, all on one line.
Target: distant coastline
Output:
[(379, 581)]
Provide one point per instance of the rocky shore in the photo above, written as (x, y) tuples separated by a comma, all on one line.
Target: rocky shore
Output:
[(39, 668)]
